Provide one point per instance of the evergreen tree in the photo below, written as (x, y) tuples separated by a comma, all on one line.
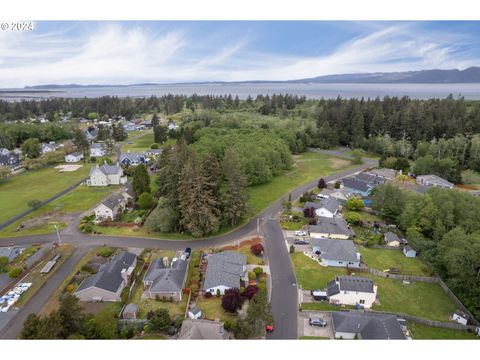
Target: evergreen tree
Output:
[(81, 142), (141, 180), (31, 148), (119, 133), (160, 134), (257, 317), (154, 120)]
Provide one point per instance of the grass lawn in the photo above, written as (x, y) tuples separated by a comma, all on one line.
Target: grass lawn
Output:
[(252, 259), (18, 190), (382, 259), (294, 225), (324, 306), (58, 211), (423, 332), (310, 274), (139, 144), (38, 279), (307, 167), (212, 309), (140, 232)]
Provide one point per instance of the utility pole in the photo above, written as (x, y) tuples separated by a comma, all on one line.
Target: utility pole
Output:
[(58, 235)]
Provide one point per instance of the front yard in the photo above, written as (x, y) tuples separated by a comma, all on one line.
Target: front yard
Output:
[(382, 259)]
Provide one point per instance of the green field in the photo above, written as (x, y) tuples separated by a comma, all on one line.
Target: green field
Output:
[(382, 259), (140, 143), (17, 191), (308, 166), (423, 332), (426, 300), (59, 211)]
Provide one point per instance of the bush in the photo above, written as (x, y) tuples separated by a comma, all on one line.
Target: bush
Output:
[(470, 177), (146, 201), (15, 272), (34, 204), (258, 271), (154, 146), (354, 204), (70, 288), (88, 228), (106, 252), (257, 249), (292, 249), (252, 276), (208, 295), (232, 301), (250, 291), (219, 293), (229, 325), (125, 294), (352, 218), (356, 157), (337, 184), (88, 268)]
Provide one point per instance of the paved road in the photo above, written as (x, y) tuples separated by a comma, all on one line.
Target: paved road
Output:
[(14, 327), (284, 294)]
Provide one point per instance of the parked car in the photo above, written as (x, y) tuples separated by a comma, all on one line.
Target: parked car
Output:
[(317, 322), (269, 328), (188, 251), (300, 233), (300, 242)]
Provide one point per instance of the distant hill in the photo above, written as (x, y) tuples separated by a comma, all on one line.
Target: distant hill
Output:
[(470, 75)]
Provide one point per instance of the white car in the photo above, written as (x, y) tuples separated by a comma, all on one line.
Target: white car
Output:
[(300, 233)]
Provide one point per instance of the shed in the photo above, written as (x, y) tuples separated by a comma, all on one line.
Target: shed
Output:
[(409, 252), (130, 311), (460, 317), (195, 313)]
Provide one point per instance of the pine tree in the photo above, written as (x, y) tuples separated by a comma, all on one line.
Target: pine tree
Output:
[(154, 120), (141, 180), (160, 134), (81, 142)]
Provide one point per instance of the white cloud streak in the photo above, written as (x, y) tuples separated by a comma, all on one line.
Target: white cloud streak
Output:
[(115, 54)]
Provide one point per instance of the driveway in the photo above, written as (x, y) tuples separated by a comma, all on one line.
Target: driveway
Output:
[(305, 329)]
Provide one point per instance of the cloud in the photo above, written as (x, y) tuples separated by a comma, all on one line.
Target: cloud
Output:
[(116, 53)]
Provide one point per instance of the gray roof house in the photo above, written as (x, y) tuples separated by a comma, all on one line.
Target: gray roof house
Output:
[(369, 178), (10, 160), (392, 239), (339, 253), (327, 207), (197, 329), (352, 290), (10, 252), (225, 270), (110, 207), (434, 180), (367, 326), (409, 252), (165, 281), (131, 158), (387, 174), (357, 186), (333, 228), (107, 284)]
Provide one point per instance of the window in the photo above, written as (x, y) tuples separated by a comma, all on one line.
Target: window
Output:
[(362, 301)]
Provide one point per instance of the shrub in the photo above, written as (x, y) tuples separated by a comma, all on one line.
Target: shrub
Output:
[(352, 218), (146, 201), (208, 295), (34, 204), (309, 212), (292, 249), (15, 272), (232, 301), (470, 177), (106, 251), (258, 271), (70, 288), (88, 228), (219, 293), (125, 294), (250, 291), (252, 276), (257, 249), (229, 325), (154, 146), (322, 184), (337, 184), (354, 204)]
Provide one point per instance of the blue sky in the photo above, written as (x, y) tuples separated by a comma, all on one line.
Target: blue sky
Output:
[(129, 52)]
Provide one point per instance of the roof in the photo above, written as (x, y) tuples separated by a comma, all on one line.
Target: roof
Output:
[(166, 279), (391, 237), (113, 201), (109, 277), (355, 184), (330, 204), (8, 251), (408, 248), (130, 308), (384, 173), (76, 154), (224, 268), (10, 159), (202, 329), (97, 146), (131, 156), (107, 169), (194, 310), (434, 179), (355, 283), (369, 178), (341, 250), (333, 225), (368, 325), (50, 146), (332, 288)]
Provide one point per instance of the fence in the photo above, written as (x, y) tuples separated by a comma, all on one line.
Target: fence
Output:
[(402, 276)]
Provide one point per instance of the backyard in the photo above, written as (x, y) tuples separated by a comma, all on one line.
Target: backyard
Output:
[(18, 190), (212, 308), (424, 332)]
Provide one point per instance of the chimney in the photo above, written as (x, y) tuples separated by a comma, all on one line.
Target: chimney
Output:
[(125, 276)]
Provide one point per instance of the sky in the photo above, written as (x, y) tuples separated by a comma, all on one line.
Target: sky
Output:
[(129, 52)]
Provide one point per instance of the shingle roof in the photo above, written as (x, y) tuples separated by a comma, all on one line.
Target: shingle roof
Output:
[(369, 325), (113, 201), (107, 169), (384, 173), (8, 160), (332, 288), (354, 184), (340, 250), (97, 146), (202, 329), (131, 156), (164, 279), (333, 225), (76, 154), (224, 268), (434, 179), (391, 237), (408, 248), (109, 277), (355, 283)]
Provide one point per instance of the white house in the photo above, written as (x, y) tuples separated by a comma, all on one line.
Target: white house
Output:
[(352, 290), (107, 284), (460, 317), (366, 326), (409, 252), (194, 313), (337, 253), (74, 157), (110, 208), (392, 239), (106, 175), (52, 146), (97, 150), (326, 208), (225, 270), (331, 228)]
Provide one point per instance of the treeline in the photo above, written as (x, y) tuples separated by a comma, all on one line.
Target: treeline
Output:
[(444, 226), (13, 135), (198, 193)]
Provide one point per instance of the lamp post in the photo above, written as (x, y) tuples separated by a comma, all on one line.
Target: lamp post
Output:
[(58, 235)]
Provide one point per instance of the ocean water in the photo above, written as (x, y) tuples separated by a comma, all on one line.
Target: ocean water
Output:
[(243, 90)]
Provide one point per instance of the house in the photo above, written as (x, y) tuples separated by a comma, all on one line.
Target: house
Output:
[(194, 313), (409, 252), (366, 326), (50, 147), (331, 228), (166, 282), (10, 252), (172, 126), (369, 178), (387, 174), (225, 270), (392, 239), (74, 157), (4, 151), (131, 158), (98, 150), (106, 175), (338, 253), (460, 317), (130, 312), (152, 153), (326, 208), (358, 187), (197, 329), (127, 125), (434, 180), (110, 208), (352, 290), (107, 284), (11, 161)]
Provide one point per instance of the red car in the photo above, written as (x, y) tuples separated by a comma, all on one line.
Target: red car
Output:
[(269, 328)]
